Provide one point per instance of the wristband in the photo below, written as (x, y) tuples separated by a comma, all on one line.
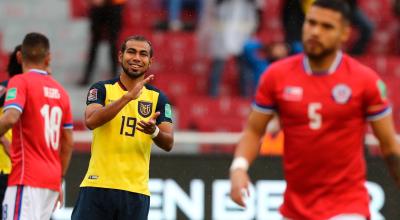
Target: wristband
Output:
[(155, 133), (239, 163)]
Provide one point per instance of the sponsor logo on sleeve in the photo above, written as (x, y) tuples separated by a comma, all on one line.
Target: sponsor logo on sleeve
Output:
[(145, 108), (11, 94), (382, 89), (168, 111), (341, 93), (92, 96)]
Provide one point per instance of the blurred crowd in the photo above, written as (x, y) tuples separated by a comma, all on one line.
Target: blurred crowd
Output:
[(225, 28), (231, 37)]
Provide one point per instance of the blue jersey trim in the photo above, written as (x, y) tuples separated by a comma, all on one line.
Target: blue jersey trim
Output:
[(268, 109), (68, 126), (15, 106), (380, 114)]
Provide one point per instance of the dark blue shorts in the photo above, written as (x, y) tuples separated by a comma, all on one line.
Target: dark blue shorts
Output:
[(3, 187), (110, 204)]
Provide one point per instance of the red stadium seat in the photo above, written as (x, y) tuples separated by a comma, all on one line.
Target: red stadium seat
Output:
[(78, 9), (3, 66), (374, 9), (176, 85), (194, 110), (220, 123)]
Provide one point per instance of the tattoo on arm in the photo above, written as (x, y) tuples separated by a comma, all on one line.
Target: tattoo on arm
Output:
[(393, 162)]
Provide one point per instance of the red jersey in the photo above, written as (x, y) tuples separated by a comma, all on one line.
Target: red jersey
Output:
[(323, 117), (45, 109)]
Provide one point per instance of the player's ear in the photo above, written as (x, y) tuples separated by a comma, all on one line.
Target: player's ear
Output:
[(346, 31), (19, 57), (47, 59), (120, 56)]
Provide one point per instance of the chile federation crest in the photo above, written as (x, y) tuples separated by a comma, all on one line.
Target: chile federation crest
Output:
[(341, 93)]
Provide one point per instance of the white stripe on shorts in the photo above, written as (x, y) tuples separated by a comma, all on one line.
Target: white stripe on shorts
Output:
[(28, 203)]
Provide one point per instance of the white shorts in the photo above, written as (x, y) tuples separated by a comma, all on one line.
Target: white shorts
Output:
[(28, 203), (345, 217)]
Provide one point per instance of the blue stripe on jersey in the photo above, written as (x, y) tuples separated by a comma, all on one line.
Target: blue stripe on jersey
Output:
[(378, 115), (16, 106), (68, 126), (264, 108)]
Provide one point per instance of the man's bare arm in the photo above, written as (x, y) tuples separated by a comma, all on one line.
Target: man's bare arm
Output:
[(66, 149), (383, 129), (96, 115), (165, 139), (246, 151), (249, 144), (8, 119)]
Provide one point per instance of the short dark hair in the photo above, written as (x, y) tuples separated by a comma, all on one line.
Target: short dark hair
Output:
[(14, 67), (35, 47), (137, 38), (341, 6)]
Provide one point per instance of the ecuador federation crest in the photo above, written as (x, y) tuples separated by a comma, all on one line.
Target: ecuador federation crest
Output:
[(144, 108)]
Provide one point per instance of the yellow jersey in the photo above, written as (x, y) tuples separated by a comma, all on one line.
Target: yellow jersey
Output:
[(5, 162), (120, 154), (306, 4)]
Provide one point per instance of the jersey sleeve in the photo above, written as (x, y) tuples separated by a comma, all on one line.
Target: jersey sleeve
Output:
[(96, 94), (375, 99), (264, 98), (164, 107), (16, 94), (67, 119)]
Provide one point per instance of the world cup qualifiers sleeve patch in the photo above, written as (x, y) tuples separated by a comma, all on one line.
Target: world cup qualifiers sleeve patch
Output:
[(382, 89), (168, 111), (92, 96), (11, 94)]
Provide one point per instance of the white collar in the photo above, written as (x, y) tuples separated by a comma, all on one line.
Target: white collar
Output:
[(334, 66), (43, 72)]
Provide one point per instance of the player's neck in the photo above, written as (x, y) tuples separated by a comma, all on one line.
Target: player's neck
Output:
[(129, 82), (28, 66), (325, 64)]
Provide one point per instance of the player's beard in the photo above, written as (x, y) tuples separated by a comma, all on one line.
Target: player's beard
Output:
[(324, 52), (132, 74)]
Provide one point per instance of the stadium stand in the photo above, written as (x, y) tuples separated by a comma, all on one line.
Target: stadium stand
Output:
[(180, 71)]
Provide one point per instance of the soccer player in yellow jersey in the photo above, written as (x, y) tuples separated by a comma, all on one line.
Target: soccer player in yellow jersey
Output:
[(14, 67), (126, 116)]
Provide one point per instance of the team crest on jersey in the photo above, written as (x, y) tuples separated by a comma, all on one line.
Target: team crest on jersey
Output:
[(92, 96), (145, 108), (341, 93)]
